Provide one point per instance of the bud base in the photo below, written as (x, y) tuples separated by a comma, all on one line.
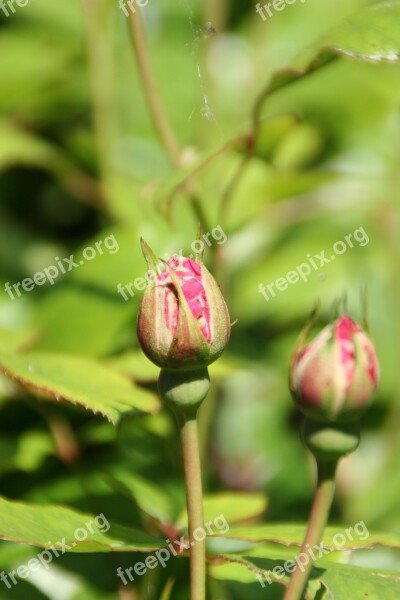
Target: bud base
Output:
[(331, 441), (183, 391)]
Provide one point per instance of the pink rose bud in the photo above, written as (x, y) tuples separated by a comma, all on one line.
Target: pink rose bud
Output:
[(334, 377), (183, 320)]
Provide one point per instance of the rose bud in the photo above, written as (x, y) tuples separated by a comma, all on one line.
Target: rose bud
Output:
[(183, 320), (334, 377)]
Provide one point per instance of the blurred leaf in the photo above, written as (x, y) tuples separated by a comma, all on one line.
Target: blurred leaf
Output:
[(16, 339), (66, 19), (341, 581), (18, 147), (33, 77), (8, 448), (139, 367), (167, 591), (136, 365), (371, 35), (78, 380), (22, 591), (86, 306), (33, 448), (49, 525), (292, 534), (231, 506), (150, 498)]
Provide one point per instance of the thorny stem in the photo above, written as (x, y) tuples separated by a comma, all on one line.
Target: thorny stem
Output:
[(159, 117), (322, 503)]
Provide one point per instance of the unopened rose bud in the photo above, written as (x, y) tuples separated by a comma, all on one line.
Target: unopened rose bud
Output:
[(334, 377), (183, 320)]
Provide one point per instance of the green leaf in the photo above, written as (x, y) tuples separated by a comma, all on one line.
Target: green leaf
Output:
[(22, 591), (371, 35), (87, 307), (232, 506), (135, 364), (14, 340), (49, 525), (33, 448), (148, 496), (18, 147), (28, 65), (345, 581), (340, 581), (167, 591), (358, 535), (100, 321), (78, 380)]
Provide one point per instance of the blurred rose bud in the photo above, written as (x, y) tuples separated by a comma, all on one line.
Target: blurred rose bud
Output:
[(334, 377), (183, 320)]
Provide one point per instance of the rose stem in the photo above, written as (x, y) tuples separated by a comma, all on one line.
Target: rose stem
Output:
[(319, 515), (194, 496)]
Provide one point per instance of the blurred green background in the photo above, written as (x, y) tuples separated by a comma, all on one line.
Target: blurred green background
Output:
[(81, 160)]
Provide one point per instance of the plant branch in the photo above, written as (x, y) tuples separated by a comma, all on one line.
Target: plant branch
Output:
[(232, 185), (194, 493), (196, 170), (217, 13), (102, 88), (158, 115), (319, 515)]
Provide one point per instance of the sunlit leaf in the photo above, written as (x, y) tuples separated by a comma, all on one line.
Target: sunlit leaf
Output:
[(49, 525), (79, 380), (355, 536), (371, 35), (232, 507)]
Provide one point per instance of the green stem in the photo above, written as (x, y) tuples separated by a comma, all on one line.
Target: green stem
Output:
[(183, 392), (319, 515), (233, 184), (194, 496), (217, 13), (159, 117), (101, 82)]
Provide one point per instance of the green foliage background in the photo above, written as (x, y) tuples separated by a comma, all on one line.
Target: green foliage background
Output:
[(80, 160)]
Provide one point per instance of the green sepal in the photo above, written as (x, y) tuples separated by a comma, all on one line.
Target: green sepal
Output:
[(151, 259)]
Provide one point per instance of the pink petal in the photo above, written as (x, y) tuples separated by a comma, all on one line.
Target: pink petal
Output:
[(189, 274)]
